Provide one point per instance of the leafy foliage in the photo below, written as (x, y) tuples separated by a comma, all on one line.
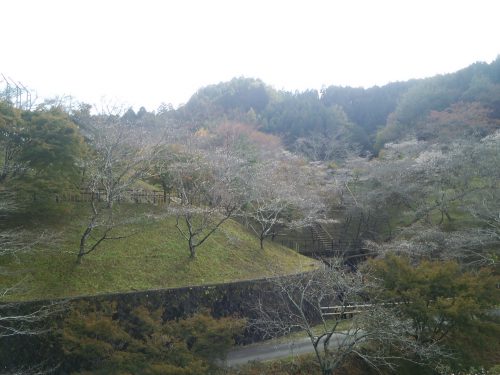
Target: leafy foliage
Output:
[(460, 120), (100, 339), (299, 115), (41, 148), (368, 108), (445, 304), (476, 83), (238, 99)]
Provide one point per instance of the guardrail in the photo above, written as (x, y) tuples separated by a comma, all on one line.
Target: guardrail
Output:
[(341, 310)]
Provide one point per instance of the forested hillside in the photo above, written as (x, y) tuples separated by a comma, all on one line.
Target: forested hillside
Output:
[(315, 122), (394, 190)]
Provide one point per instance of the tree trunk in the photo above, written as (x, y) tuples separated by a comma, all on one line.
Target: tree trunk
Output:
[(86, 233), (192, 249), (83, 242), (448, 215)]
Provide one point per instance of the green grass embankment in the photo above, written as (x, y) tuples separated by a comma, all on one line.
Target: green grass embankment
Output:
[(155, 257)]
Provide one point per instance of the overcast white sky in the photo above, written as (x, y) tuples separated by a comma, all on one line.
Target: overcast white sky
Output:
[(146, 52)]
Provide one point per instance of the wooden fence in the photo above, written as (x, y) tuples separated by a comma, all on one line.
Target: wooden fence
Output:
[(129, 196)]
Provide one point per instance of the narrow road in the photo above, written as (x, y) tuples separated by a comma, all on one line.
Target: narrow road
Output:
[(266, 351)]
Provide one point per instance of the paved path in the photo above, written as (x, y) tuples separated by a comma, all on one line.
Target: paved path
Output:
[(266, 351)]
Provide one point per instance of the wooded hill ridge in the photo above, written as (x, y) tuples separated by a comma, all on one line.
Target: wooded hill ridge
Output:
[(312, 122)]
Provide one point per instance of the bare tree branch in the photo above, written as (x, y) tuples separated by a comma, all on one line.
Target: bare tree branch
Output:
[(375, 334)]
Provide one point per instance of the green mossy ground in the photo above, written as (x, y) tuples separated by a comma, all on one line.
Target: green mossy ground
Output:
[(155, 257)]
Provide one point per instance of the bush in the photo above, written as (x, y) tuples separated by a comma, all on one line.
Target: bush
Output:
[(99, 339)]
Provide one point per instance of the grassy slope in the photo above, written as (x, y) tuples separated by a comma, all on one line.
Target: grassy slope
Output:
[(156, 257)]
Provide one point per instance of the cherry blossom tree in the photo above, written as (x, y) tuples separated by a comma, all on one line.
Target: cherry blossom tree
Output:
[(282, 193), (210, 190), (120, 154)]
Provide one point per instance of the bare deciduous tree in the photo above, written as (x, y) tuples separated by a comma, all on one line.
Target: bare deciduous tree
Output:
[(326, 146), (413, 194), (470, 246), (374, 333), (15, 242), (120, 155), (209, 187), (271, 200), (11, 142), (282, 193)]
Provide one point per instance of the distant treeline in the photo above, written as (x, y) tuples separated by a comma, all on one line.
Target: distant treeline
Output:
[(367, 118)]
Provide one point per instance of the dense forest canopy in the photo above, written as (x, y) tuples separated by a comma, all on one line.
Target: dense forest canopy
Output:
[(366, 117)]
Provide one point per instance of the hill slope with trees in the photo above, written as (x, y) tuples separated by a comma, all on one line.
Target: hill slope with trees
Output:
[(396, 188), (367, 118), (75, 220)]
